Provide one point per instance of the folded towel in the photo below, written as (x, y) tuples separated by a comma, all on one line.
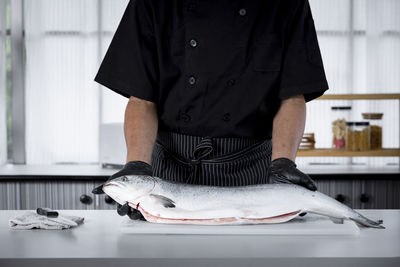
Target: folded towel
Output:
[(31, 220)]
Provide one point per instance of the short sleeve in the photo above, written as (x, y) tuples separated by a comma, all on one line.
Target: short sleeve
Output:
[(303, 70), (130, 64)]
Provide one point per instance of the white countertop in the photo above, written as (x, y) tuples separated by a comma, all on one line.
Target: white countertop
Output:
[(100, 241), (55, 170), (98, 170)]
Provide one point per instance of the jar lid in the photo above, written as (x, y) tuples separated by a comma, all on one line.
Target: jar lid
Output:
[(362, 123), (341, 108), (349, 123), (372, 116)]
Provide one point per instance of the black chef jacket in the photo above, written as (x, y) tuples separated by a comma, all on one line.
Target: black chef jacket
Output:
[(216, 68)]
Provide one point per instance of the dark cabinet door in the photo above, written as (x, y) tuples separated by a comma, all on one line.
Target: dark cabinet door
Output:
[(54, 195)]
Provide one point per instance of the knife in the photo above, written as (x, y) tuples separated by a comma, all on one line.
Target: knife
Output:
[(47, 212)]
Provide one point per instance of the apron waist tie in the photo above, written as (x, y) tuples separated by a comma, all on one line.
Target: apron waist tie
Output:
[(202, 150)]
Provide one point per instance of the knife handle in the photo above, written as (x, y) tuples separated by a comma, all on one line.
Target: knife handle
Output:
[(47, 212)]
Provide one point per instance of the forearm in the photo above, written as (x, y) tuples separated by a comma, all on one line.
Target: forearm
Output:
[(140, 128), (288, 127)]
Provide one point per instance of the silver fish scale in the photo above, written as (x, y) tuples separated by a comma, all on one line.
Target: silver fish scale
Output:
[(215, 204)]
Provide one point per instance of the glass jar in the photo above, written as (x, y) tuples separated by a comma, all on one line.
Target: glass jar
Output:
[(357, 136), (349, 136), (362, 135), (375, 121), (340, 114)]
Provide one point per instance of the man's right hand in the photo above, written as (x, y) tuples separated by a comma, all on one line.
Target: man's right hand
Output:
[(130, 168)]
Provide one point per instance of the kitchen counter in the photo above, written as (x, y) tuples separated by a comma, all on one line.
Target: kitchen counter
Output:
[(100, 242), (78, 170)]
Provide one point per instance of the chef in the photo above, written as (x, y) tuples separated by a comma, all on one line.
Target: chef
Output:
[(217, 89)]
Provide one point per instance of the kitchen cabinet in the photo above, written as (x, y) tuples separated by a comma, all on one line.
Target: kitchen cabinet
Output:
[(363, 194), (62, 194)]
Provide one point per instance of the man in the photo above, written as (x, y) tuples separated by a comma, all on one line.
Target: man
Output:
[(217, 89)]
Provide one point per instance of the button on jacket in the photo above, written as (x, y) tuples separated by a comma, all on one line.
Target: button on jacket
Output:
[(216, 68)]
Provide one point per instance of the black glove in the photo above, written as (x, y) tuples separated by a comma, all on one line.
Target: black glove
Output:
[(130, 168), (283, 170)]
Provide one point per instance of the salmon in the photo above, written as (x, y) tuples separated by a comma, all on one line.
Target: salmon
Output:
[(162, 201)]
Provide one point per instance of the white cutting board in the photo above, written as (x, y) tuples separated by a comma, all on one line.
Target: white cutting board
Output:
[(310, 224)]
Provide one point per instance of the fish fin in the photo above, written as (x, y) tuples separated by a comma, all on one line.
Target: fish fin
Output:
[(166, 202), (337, 220)]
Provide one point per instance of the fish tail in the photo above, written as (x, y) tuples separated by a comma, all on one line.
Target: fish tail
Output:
[(354, 216), (358, 218)]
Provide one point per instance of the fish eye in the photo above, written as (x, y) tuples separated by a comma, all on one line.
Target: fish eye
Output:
[(124, 178)]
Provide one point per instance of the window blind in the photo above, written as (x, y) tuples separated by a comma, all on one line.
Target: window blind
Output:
[(66, 40)]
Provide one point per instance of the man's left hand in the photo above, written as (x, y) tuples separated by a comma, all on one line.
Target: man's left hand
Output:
[(283, 170)]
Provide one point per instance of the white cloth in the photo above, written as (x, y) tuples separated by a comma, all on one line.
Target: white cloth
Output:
[(31, 220)]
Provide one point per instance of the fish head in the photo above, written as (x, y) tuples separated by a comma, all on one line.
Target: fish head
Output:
[(129, 187)]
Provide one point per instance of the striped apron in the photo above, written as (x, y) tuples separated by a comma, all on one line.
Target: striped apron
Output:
[(211, 161)]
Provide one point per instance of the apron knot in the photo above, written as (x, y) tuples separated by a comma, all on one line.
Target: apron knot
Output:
[(201, 151)]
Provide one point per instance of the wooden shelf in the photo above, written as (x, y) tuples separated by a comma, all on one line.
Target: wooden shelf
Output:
[(358, 96), (328, 152)]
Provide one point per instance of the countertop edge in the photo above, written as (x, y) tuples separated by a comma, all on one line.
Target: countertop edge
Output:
[(97, 172)]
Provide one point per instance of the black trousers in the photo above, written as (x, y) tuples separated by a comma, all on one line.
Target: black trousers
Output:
[(211, 161)]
